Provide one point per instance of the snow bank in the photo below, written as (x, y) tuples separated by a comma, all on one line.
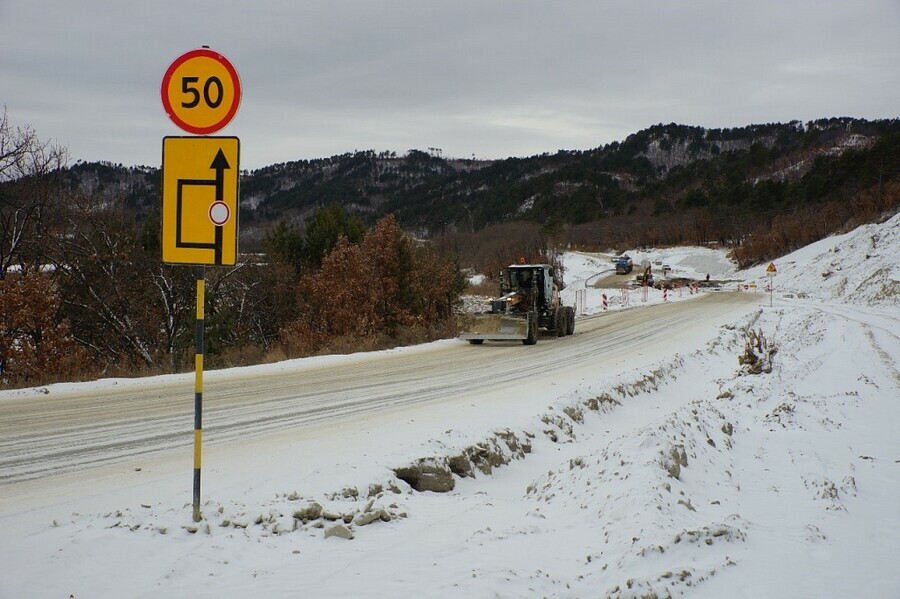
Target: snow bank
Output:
[(861, 267)]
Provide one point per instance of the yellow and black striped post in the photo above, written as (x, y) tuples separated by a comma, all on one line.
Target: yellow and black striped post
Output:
[(198, 389)]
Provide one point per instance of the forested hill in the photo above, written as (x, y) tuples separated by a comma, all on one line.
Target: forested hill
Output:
[(663, 174)]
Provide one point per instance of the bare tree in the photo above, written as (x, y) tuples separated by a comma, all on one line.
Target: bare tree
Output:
[(27, 189), (113, 290)]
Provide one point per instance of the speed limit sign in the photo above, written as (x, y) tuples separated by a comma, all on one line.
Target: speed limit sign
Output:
[(201, 91)]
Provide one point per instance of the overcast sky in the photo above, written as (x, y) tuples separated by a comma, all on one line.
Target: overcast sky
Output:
[(488, 78)]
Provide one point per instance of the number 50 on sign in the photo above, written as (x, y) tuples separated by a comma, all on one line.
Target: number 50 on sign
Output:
[(201, 91)]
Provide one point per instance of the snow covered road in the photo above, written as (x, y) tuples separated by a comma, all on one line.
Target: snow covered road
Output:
[(76, 427)]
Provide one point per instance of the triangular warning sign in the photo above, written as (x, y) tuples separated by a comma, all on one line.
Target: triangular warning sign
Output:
[(771, 267)]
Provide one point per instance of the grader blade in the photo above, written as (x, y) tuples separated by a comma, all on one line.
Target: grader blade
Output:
[(492, 326)]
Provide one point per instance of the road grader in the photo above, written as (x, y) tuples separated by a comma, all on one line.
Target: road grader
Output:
[(529, 300)]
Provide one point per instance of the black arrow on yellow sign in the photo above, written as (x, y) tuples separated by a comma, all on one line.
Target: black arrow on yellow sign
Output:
[(220, 165)]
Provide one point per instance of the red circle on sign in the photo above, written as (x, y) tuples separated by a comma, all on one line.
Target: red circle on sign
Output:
[(175, 113), (219, 213)]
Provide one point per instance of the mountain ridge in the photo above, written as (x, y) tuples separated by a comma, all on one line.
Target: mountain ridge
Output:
[(660, 169)]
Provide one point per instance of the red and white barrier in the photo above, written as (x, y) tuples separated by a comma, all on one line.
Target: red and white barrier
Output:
[(665, 294), (605, 303)]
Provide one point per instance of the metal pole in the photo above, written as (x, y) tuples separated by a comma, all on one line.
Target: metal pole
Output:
[(198, 389)]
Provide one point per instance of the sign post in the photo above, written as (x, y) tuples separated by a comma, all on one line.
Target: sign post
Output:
[(198, 388), (200, 93), (771, 270)]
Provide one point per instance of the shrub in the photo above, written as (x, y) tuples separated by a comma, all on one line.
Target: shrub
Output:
[(373, 294), (33, 341)]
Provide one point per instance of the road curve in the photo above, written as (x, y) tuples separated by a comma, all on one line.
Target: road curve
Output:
[(67, 431)]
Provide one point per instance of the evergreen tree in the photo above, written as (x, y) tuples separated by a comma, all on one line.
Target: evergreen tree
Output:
[(323, 229)]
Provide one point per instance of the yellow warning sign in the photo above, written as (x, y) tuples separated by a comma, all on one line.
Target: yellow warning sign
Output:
[(771, 268), (200, 200)]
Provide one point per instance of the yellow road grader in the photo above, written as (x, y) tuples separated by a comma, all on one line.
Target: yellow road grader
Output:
[(529, 300)]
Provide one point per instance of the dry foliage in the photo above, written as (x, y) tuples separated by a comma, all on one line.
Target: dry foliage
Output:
[(758, 353), (789, 232), (372, 294), (33, 342)]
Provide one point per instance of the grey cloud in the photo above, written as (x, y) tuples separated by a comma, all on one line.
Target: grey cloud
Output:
[(491, 78)]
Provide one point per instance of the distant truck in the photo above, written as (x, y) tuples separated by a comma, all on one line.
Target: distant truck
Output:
[(624, 265)]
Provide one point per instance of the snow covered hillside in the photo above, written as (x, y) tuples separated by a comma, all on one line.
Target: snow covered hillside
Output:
[(758, 458)]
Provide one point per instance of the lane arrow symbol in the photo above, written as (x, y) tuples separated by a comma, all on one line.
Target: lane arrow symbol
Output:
[(220, 164)]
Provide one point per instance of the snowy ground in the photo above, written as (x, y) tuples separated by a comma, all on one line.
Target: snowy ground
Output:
[(700, 477)]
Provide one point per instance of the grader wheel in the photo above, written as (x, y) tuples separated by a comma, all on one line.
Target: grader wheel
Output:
[(560, 321)]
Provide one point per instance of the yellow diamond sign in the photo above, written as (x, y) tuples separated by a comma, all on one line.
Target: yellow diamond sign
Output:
[(200, 200)]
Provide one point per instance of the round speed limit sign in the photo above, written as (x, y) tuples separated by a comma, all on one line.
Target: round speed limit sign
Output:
[(201, 91)]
